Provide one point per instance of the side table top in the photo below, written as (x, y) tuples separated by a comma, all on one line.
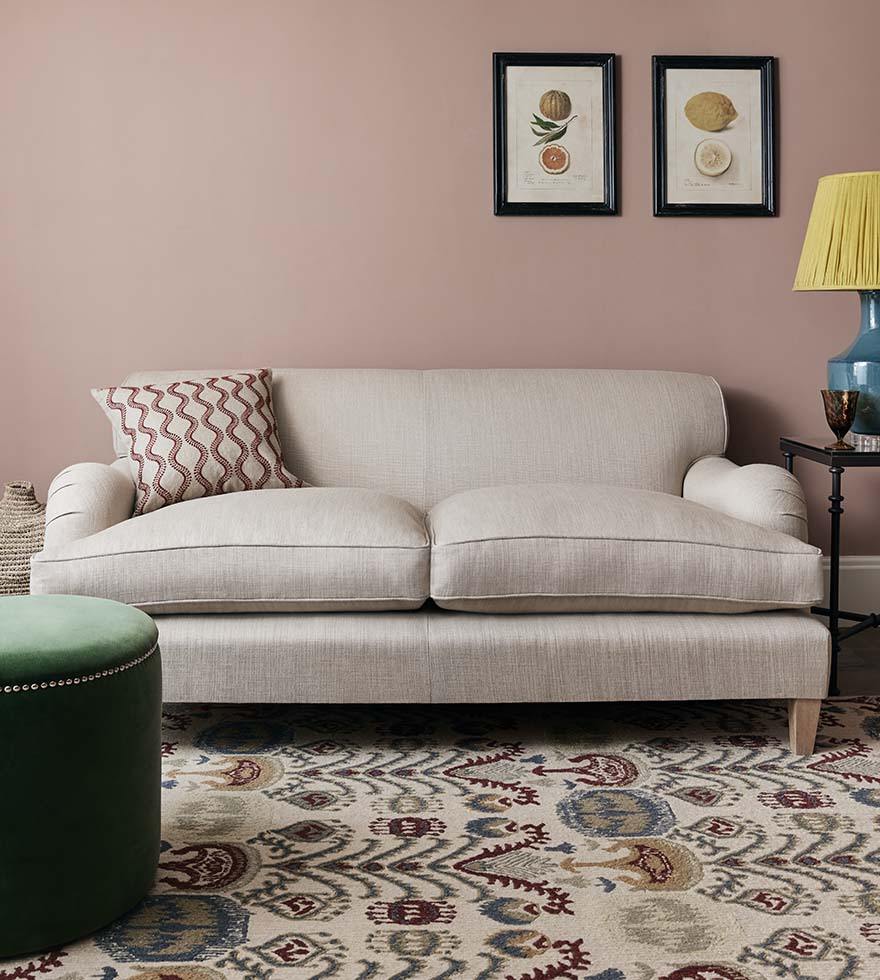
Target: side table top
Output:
[(865, 453)]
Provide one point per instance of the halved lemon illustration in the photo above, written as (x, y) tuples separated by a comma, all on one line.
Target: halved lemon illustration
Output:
[(712, 157), (554, 159)]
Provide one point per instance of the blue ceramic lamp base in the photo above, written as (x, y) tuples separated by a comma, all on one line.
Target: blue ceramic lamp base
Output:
[(858, 367)]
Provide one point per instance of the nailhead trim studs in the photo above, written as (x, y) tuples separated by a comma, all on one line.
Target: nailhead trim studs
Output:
[(84, 679)]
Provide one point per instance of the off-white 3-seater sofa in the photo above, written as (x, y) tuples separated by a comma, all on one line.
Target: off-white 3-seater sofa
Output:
[(470, 535)]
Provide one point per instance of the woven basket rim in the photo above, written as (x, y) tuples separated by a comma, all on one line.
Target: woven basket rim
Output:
[(22, 531), (19, 497)]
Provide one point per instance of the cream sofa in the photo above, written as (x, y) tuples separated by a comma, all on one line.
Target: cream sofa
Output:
[(470, 535)]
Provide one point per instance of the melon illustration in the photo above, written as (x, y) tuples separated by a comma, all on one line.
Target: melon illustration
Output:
[(554, 159), (711, 111), (712, 157), (555, 105)]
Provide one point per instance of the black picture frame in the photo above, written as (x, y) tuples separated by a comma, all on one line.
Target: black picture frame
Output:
[(501, 61), (767, 67)]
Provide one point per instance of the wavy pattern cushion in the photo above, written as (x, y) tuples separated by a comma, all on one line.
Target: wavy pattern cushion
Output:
[(198, 438)]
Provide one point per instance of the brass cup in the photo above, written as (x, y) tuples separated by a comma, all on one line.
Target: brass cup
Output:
[(840, 413)]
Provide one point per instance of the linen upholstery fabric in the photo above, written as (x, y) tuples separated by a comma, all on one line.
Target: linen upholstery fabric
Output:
[(372, 657), (768, 496), (86, 498), (424, 435), (271, 550), (568, 548), (80, 846), (421, 437), (432, 655), (198, 437)]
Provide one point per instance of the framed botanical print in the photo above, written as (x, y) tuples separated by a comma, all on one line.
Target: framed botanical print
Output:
[(714, 136), (555, 134)]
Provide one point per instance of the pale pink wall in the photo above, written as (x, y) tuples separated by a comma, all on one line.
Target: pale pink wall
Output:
[(309, 183)]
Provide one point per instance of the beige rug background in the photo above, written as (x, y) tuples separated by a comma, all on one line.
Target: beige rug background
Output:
[(614, 842)]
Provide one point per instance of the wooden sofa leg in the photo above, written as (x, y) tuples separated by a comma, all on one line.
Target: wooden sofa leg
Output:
[(803, 720)]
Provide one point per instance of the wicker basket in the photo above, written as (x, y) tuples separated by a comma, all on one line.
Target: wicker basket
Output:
[(22, 528)]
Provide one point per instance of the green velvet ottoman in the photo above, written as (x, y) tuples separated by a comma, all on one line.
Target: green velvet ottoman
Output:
[(80, 708)]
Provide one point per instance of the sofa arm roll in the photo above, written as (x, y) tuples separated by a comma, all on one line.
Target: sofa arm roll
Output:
[(759, 493), (87, 498)]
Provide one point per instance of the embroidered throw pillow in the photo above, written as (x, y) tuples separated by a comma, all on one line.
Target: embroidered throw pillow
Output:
[(198, 438)]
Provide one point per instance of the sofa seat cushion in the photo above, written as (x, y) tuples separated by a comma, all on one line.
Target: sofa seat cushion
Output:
[(318, 549), (598, 548)]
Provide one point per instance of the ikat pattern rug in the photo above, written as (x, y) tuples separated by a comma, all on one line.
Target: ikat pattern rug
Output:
[(627, 842)]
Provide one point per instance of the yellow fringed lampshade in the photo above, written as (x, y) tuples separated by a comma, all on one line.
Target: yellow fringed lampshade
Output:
[(842, 245)]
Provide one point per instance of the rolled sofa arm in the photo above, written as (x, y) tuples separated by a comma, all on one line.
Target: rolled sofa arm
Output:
[(759, 493), (87, 498)]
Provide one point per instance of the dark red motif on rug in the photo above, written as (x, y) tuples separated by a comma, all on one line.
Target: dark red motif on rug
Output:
[(699, 795), (705, 971), (771, 901), (37, 967), (410, 912), (595, 769), (803, 944), (557, 901), (853, 761), (313, 799), (408, 827), (720, 827), (307, 831), (795, 799), (573, 960), (301, 906), (201, 867), (469, 772), (242, 772), (293, 950)]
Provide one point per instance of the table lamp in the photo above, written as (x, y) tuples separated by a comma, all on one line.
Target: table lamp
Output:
[(842, 251)]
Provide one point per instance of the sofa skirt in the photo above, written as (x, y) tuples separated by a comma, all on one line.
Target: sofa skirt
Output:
[(434, 655)]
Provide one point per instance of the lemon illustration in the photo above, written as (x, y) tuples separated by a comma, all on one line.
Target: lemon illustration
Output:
[(555, 105), (711, 111), (712, 157), (554, 159)]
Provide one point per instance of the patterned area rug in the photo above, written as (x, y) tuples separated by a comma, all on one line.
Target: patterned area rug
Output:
[(629, 842)]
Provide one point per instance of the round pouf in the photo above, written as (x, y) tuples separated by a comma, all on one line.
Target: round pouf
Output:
[(80, 710)]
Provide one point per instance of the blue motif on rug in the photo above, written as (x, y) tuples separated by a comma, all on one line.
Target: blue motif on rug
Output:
[(615, 813), (243, 736), (176, 929)]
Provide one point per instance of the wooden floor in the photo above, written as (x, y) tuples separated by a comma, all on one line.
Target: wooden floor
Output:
[(859, 670)]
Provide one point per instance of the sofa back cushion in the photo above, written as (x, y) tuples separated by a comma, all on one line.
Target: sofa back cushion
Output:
[(423, 435)]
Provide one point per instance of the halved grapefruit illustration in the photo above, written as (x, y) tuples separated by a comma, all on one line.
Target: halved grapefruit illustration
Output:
[(712, 157), (554, 159)]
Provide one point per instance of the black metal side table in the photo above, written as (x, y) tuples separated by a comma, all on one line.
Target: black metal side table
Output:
[(837, 461)]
